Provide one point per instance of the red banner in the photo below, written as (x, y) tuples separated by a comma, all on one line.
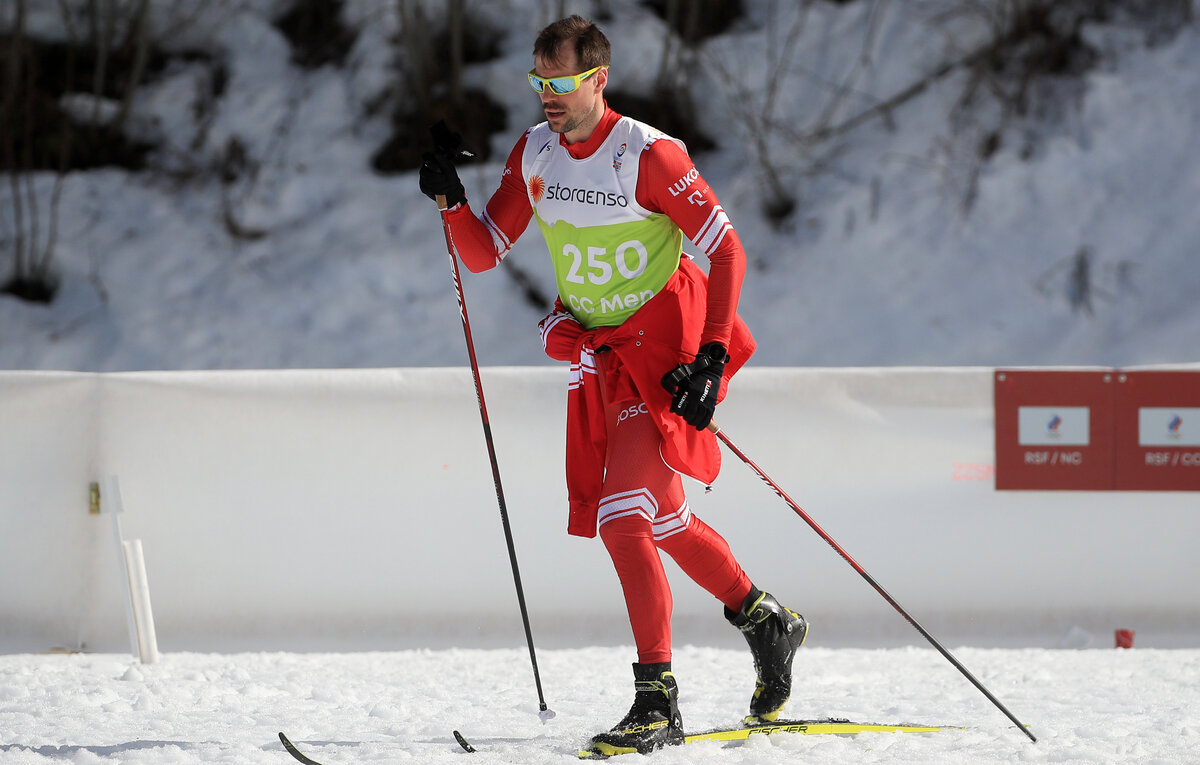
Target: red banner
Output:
[(1054, 429), (1158, 431)]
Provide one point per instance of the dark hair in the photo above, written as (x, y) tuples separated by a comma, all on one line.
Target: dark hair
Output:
[(591, 46)]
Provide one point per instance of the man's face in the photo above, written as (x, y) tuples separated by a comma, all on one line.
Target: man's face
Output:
[(573, 114)]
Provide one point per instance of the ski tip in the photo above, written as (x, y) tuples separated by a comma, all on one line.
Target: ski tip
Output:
[(463, 742), (293, 751)]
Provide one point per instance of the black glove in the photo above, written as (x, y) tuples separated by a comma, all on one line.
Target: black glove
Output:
[(695, 387), (438, 174), (439, 178)]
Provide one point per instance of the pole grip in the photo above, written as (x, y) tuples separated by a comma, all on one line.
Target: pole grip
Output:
[(441, 202)]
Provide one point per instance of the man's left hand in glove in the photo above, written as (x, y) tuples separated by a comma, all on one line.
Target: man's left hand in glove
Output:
[(695, 387)]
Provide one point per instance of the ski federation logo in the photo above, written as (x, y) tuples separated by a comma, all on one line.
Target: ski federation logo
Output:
[(1052, 427), (537, 188), (1164, 426), (617, 161)]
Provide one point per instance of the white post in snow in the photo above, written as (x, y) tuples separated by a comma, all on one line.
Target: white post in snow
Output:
[(139, 596), (143, 641)]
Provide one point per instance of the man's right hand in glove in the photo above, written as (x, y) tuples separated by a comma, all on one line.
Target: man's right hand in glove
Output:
[(440, 178), (438, 174)]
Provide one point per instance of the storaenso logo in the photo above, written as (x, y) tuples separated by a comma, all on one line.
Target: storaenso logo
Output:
[(586, 196)]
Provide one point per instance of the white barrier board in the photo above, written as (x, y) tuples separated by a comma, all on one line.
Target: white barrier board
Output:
[(311, 509)]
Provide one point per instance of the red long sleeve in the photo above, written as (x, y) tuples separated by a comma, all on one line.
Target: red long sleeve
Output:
[(669, 182), (483, 241)]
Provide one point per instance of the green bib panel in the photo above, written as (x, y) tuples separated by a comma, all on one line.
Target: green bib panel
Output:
[(605, 273)]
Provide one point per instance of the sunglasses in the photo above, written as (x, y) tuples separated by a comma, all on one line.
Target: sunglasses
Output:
[(561, 85)]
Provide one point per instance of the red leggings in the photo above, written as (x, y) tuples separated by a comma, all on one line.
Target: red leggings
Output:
[(643, 509)]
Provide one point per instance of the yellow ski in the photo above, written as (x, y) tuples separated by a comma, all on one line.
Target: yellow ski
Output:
[(833, 726), (827, 726)]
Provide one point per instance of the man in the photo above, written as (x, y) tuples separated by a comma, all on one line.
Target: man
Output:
[(652, 342)]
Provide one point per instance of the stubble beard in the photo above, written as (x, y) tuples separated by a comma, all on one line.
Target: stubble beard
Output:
[(571, 121)]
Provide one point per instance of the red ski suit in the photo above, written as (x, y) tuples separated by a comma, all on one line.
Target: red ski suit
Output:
[(614, 476)]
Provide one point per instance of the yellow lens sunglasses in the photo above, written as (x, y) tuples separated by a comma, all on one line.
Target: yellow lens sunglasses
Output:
[(561, 85)]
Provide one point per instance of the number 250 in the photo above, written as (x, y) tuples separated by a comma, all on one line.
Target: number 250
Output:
[(599, 271)]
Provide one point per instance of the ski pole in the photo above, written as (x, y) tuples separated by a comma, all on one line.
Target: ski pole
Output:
[(544, 712), (870, 579)]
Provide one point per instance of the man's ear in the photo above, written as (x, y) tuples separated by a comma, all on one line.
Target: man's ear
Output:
[(601, 78)]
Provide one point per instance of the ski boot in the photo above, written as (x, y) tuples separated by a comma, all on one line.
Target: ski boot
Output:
[(774, 633), (653, 721)]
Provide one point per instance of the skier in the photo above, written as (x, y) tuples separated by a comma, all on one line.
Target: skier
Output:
[(652, 342)]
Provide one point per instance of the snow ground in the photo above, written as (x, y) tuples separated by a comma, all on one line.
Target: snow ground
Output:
[(1085, 706)]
